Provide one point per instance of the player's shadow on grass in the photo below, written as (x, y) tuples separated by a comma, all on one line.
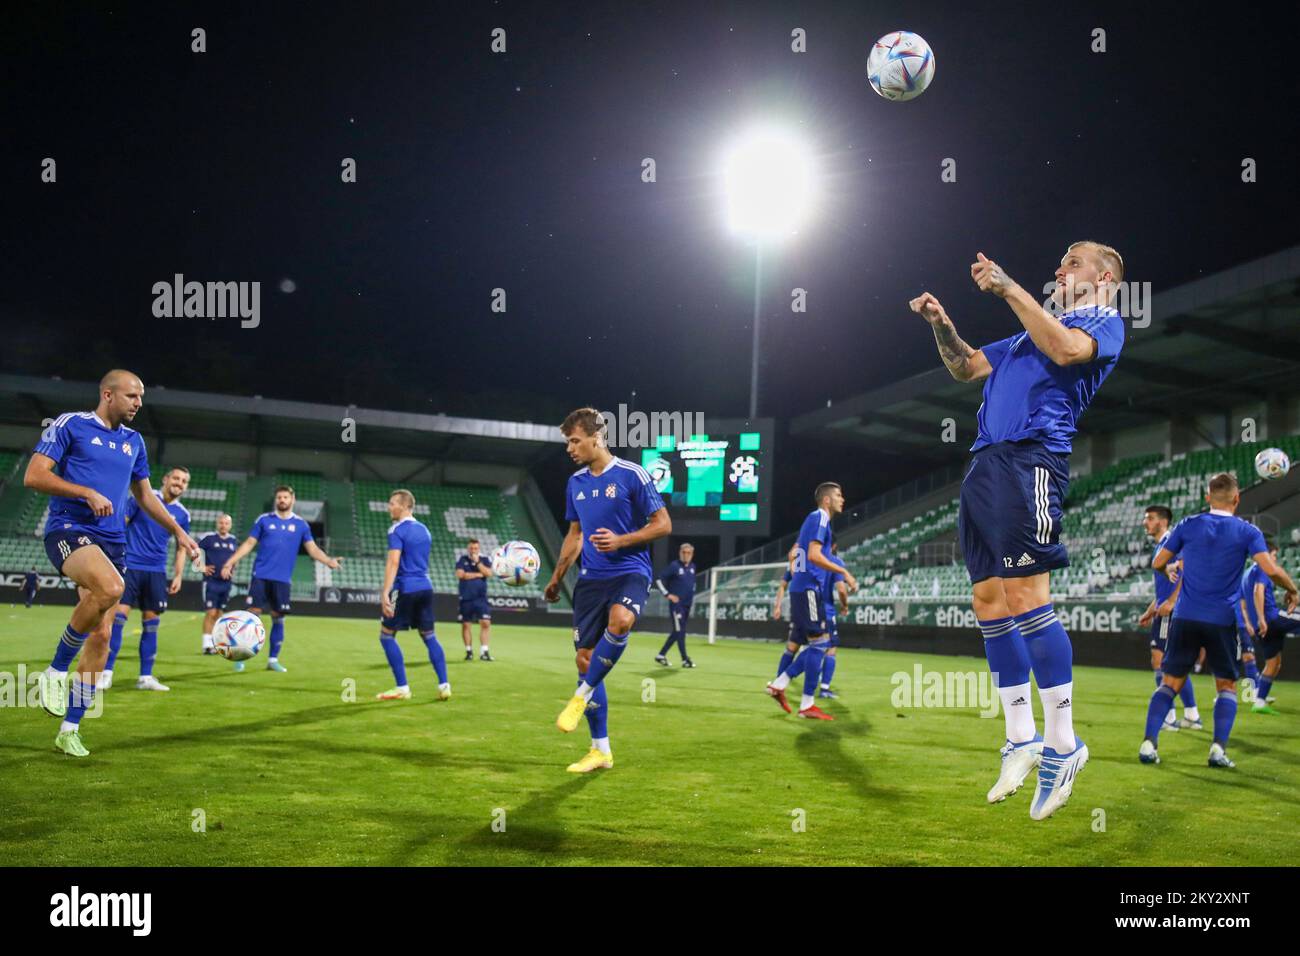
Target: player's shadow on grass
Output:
[(227, 732), (821, 746)]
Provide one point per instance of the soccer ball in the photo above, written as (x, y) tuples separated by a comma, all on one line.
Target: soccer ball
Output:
[(238, 635), (516, 563), (1272, 463), (900, 66)]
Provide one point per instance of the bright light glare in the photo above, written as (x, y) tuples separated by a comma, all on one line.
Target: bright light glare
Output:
[(768, 178)]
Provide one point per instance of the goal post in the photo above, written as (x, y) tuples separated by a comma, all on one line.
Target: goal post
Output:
[(732, 585)]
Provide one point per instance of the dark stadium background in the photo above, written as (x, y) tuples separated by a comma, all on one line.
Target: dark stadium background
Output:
[(521, 171)]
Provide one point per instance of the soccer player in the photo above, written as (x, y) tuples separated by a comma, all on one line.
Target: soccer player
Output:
[(677, 583), (1037, 384), (791, 646), (810, 571), (1269, 628), (473, 572), (31, 584), (614, 512), (277, 535), (99, 459), (217, 549), (836, 590), (407, 570), (1156, 520), (147, 586), (1213, 546), (1246, 669)]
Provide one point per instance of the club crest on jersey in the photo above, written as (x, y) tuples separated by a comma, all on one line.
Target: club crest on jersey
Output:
[(126, 448), (289, 526), (611, 490)]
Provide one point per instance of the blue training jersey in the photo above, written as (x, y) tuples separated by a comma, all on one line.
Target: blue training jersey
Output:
[(29, 581), (413, 540), (87, 452), (474, 588), (805, 576), (1250, 577), (621, 498), (278, 541), (1163, 586), (679, 580), (1027, 396), (217, 551), (146, 539), (831, 582), (1213, 545)]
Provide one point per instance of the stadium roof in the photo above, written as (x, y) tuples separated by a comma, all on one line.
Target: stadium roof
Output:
[(173, 413), (1229, 338)]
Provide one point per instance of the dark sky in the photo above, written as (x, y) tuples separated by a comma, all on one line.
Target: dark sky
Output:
[(522, 170)]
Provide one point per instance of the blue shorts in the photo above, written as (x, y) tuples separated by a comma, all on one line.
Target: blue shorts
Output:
[(216, 593), (146, 590), (592, 599), (1009, 519), (1160, 633), (474, 609), (1186, 638), (807, 615), (1270, 645), (680, 614), (269, 595), (413, 609), (59, 546)]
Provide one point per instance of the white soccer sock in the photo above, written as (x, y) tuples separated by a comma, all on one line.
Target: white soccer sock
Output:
[(403, 686), (806, 701), (601, 744), (782, 681), (207, 640), (65, 727), (446, 686), (584, 690), (1018, 709), (1171, 717), (1192, 713), (1058, 717)]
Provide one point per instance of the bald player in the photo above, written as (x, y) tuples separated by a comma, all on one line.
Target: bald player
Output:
[(99, 460), (217, 549)]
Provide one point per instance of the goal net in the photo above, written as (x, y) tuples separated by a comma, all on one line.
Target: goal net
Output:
[(742, 592)]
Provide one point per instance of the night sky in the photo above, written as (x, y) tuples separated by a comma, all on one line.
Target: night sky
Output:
[(522, 171)]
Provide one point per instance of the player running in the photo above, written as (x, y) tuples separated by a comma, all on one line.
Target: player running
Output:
[(1213, 546), (677, 583), (1267, 627), (614, 512), (810, 571), (1156, 521), (1037, 384), (147, 585), (277, 535), (217, 549), (407, 571), (473, 573), (99, 459)]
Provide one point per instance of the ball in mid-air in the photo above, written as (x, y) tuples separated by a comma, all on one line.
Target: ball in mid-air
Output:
[(516, 563), (900, 66), (238, 635), (1272, 463)]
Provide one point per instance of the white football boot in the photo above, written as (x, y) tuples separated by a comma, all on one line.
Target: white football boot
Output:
[(1056, 775), (150, 683), (1017, 761)]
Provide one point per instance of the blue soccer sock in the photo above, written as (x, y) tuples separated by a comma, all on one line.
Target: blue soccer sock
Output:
[(69, 647), (1161, 703), (1252, 671), (1009, 664), (148, 646), (81, 696), (393, 651), (436, 657), (786, 657), (115, 640), (598, 712), (828, 670), (1051, 658), (797, 666), (1160, 677), (1262, 687), (277, 636), (609, 649), (1225, 712), (812, 656), (1187, 696)]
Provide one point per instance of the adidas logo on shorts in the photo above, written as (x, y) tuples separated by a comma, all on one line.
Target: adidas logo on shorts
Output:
[(1025, 561)]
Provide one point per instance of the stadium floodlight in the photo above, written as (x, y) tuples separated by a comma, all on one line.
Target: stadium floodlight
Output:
[(769, 183)]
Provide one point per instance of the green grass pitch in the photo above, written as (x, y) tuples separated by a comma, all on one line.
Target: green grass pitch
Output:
[(286, 771)]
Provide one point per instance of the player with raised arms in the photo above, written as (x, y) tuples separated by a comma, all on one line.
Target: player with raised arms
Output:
[(407, 571), (1213, 545), (277, 535), (1037, 383), (614, 512), (217, 549), (99, 460)]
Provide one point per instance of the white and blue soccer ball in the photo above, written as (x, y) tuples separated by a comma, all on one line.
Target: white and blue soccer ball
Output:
[(516, 563), (900, 66), (238, 635), (1272, 463)]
